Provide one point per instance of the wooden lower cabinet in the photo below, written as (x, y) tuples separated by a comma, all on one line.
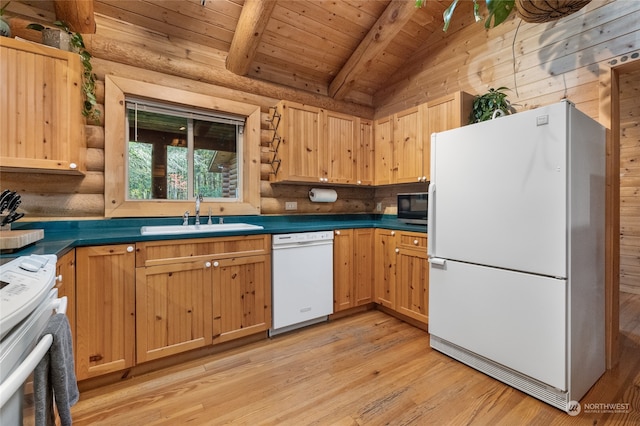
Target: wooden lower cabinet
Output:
[(105, 309), (385, 268), (412, 278), (173, 309), (66, 273), (402, 273), (241, 297), (352, 268), (192, 293)]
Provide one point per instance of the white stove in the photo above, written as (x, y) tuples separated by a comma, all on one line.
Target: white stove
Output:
[(24, 284), (28, 299)]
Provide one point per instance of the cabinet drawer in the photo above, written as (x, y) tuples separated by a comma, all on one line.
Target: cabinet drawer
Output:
[(415, 240), (175, 251)]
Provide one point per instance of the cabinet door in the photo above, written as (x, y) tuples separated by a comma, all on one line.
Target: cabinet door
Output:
[(445, 113), (105, 294), (383, 151), (385, 268), (41, 123), (66, 271), (365, 157), (343, 269), (342, 146), (412, 277), (241, 297), (363, 266), (303, 157), (407, 146), (173, 309)]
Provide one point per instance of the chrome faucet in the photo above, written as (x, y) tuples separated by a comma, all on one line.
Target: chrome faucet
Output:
[(198, 200), (185, 218)]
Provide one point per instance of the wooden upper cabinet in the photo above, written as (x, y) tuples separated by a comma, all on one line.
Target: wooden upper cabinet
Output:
[(403, 140), (383, 153), (41, 122), (445, 113), (341, 143), (366, 151), (299, 150), (319, 146), (408, 146)]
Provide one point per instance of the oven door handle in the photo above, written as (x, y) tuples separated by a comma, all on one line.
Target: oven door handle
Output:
[(10, 386)]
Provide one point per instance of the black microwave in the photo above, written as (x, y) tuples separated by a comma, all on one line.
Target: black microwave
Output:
[(412, 207)]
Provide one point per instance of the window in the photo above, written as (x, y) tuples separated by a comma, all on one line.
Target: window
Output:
[(176, 153), (165, 145)]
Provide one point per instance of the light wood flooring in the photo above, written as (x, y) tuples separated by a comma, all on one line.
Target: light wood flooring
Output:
[(366, 369)]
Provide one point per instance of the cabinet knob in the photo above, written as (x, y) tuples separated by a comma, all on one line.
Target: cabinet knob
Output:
[(216, 264), (130, 249), (337, 232), (393, 233), (59, 278), (207, 264), (359, 182), (419, 178), (397, 250), (415, 242), (73, 166)]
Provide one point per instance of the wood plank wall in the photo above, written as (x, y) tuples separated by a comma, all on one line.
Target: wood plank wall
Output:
[(552, 60), (630, 182)]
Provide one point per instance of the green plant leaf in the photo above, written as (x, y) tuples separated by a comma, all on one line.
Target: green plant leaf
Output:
[(499, 11), (36, 27), (448, 13)]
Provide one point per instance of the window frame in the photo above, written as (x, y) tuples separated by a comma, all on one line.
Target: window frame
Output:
[(116, 203)]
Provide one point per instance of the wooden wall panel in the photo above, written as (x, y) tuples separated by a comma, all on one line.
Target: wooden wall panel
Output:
[(545, 62), (630, 182)]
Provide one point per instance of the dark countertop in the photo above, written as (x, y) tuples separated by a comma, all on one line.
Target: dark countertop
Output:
[(62, 236)]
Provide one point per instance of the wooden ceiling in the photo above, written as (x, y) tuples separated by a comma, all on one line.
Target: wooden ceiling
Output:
[(346, 50)]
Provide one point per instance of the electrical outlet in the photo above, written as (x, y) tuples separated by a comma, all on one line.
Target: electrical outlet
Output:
[(291, 205), (379, 207)]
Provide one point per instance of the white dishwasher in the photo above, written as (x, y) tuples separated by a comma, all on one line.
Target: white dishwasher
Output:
[(302, 278)]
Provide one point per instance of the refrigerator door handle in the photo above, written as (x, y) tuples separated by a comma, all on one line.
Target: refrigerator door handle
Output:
[(430, 222), (438, 261)]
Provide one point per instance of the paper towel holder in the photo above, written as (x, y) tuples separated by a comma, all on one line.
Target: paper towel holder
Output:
[(322, 195)]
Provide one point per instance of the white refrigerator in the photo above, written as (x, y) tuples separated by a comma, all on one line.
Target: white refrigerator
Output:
[(516, 250)]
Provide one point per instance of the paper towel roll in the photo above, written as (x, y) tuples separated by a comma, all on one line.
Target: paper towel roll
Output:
[(317, 195)]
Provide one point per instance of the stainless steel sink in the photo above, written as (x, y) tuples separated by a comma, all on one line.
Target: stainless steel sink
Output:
[(192, 229)]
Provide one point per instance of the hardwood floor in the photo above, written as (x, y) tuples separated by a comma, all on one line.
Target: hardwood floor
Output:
[(367, 369)]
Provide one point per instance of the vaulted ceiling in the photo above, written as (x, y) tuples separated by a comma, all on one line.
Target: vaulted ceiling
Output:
[(343, 49)]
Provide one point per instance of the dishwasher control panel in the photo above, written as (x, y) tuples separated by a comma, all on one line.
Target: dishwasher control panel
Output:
[(301, 237)]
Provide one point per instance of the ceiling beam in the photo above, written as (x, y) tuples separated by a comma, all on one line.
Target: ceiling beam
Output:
[(78, 14), (246, 39), (392, 20)]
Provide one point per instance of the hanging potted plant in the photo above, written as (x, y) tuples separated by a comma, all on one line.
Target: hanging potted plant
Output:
[(528, 10), (76, 44), (5, 29), (490, 105)]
